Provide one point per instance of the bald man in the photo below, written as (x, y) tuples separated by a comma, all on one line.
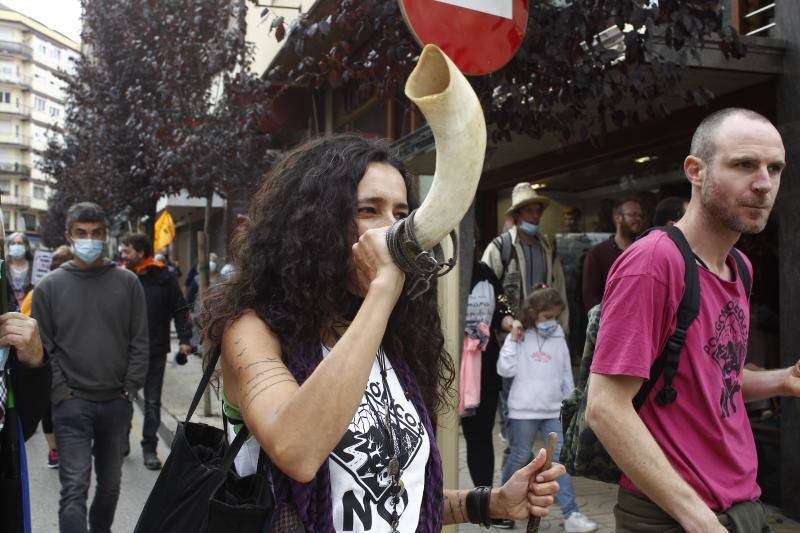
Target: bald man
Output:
[(691, 464)]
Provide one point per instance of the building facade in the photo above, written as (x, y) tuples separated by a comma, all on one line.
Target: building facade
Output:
[(31, 109)]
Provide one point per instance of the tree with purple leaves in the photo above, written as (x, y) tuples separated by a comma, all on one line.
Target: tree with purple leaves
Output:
[(161, 100)]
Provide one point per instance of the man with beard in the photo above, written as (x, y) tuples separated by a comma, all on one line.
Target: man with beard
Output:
[(689, 461), (628, 219), (165, 303)]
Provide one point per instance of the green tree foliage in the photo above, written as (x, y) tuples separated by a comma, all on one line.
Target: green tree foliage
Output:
[(570, 71), (162, 100)]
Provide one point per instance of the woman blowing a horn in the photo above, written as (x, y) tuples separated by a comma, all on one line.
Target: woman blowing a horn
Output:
[(337, 374)]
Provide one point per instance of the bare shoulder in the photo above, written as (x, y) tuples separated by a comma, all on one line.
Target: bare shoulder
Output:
[(247, 331), (252, 361)]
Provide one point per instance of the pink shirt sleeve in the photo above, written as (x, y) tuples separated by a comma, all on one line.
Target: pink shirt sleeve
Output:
[(644, 289)]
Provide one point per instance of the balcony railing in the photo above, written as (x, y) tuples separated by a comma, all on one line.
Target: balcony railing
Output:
[(15, 201), (11, 47), (23, 81), (19, 140), (21, 110), (16, 169)]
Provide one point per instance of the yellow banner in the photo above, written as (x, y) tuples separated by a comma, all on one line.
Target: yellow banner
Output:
[(165, 231)]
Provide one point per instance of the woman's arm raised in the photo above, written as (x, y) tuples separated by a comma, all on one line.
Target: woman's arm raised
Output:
[(298, 426)]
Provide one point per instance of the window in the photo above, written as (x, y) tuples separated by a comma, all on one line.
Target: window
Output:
[(5, 97), (5, 187), (43, 49), (38, 192), (29, 221), (39, 103), (54, 111)]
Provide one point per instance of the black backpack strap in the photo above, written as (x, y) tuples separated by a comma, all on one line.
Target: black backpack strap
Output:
[(744, 273), (689, 308)]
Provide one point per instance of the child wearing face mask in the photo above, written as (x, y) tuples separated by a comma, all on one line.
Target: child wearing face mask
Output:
[(536, 355)]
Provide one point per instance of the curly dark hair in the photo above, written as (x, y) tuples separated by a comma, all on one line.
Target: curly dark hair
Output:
[(292, 262)]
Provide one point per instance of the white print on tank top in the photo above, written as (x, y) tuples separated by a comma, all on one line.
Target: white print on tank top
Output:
[(358, 465)]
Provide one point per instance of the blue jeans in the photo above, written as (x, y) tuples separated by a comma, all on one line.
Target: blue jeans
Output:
[(523, 435), (84, 428), (502, 408)]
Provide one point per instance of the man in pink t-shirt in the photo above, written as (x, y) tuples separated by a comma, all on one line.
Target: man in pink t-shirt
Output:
[(686, 462)]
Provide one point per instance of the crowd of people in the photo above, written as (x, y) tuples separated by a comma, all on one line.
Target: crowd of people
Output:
[(317, 326)]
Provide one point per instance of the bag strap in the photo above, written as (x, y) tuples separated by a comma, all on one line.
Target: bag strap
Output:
[(233, 450), (688, 309), (507, 250), (744, 273), (206, 379)]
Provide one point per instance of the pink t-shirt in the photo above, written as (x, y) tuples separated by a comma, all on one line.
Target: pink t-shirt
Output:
[(705, 433)]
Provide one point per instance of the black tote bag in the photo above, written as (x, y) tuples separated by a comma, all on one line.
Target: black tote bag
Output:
[(197, 490)]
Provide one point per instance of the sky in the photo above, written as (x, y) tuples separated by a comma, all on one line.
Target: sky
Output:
[(61, 15)]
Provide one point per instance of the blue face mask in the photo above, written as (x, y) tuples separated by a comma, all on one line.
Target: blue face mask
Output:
[(546, 328), (88, 250), (17, 251), (528, 228)]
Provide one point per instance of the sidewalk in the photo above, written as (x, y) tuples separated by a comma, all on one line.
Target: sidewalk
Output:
[(595, 499)]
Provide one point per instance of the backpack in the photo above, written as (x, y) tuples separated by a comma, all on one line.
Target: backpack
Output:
[(582, 453)]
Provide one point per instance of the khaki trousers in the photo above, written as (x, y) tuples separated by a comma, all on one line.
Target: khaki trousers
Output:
[(637, 514)]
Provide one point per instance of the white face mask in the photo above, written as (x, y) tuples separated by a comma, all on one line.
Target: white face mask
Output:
[(16, 251), (546, 328), (88, 250), (528, 228)]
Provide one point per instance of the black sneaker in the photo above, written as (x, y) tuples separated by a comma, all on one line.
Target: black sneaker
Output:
[(151, 461), (52, 459), (502, 523)]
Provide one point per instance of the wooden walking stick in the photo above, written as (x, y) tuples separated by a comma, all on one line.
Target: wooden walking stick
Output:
[(552, 438)]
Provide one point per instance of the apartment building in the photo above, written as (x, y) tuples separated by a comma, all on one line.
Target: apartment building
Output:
[(31, 109)]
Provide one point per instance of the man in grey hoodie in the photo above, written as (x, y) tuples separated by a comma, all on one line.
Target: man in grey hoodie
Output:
[(93, 322)]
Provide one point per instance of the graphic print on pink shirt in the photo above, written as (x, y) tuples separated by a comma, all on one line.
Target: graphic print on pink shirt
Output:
[(728, 348), (705, 434)]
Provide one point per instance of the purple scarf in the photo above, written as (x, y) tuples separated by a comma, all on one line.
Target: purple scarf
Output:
[(313, 499)]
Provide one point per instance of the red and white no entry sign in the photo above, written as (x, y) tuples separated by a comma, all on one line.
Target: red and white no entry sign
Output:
[(480, 36)]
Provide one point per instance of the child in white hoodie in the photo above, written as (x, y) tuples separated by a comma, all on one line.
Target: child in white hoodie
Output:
[(538, 360)]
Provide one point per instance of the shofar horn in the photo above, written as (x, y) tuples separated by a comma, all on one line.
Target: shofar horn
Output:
[(455, 117)]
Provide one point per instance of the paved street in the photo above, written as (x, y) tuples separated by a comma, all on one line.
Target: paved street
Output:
[(136, 483)]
